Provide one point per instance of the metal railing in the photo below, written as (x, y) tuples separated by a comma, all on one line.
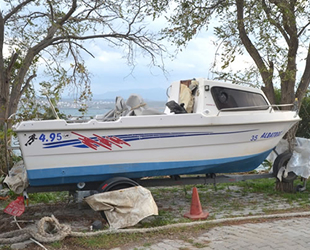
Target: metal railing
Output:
[(259, 107)]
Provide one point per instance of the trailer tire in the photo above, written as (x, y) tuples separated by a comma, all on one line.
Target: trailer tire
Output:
[(115, 183), (281, 161)]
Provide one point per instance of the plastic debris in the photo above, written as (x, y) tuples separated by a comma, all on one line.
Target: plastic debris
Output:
[(16, 208)]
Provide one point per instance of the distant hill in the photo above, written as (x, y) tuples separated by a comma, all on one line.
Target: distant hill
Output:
[(154, 94)]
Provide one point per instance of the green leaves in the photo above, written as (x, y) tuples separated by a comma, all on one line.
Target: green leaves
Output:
[(52, 35), (275, 36)]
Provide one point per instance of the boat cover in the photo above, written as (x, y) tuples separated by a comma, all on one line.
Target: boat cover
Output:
[(134, 106), (120, 110), (124, 207)]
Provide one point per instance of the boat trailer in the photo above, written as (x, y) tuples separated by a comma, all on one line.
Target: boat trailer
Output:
[(175, 180)]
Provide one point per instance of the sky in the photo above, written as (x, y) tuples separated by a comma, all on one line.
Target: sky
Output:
[(110, 71)]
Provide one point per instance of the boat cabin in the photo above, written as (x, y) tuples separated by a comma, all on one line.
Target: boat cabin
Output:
[(210, 97), (199, 95)]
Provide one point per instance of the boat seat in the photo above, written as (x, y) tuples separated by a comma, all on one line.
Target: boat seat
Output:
[(175, 107), (139, 107)]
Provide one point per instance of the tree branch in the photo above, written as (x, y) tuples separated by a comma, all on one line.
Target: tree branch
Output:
[(16, 9), (265, 73), (51, 10), (138, 40), (288, 16), (274, 22), (133, 19), (69, 13), (303, 29), (11, 65), (59, 23), (305, 79), (215, 5), (27, 83)]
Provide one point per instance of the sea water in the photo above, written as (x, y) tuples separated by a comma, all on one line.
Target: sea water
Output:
[(89, 112)]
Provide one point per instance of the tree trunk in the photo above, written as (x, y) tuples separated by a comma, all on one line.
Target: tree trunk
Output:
[(305, 79), (265, 72), (4, 100), (285, 187)]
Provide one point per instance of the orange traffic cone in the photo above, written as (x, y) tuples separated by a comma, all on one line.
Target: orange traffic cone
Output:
[(196, 212)]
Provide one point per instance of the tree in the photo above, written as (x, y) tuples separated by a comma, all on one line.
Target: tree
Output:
[(275, 33), (303, 127), (52, 34)]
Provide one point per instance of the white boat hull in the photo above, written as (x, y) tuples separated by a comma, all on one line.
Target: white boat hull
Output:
[(137, 147)]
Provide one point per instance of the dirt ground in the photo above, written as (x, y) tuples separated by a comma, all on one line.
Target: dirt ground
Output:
[(172, 202), (79, 219)]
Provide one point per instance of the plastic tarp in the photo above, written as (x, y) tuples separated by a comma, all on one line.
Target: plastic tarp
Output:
[(280, 148), (300, 160), (17, 179), (125, 207)]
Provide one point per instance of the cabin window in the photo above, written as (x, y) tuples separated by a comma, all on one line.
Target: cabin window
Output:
[(235, 98)]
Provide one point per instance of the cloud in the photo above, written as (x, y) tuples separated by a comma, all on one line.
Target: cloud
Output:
[(111, 72)]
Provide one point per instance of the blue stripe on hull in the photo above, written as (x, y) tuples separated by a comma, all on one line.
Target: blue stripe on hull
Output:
[(141, 136), (56, 176)]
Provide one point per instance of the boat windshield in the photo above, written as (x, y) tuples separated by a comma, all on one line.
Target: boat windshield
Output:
[(226, 98)]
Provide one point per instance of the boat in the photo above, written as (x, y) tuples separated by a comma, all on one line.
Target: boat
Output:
[(207, 127)]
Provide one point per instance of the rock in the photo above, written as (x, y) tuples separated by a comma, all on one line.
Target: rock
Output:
[(97, 225), (21, 245)]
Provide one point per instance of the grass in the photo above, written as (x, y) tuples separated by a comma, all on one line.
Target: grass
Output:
[(5, 248), (187, 234), (57, 244), (163, 218), (36, 198), (253, 197), (145, 239), (199, 245), (50, 197), (254, 186), (108, 241)]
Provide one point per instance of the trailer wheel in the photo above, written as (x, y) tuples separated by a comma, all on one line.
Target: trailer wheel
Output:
[(281, 161), (115, 183)]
